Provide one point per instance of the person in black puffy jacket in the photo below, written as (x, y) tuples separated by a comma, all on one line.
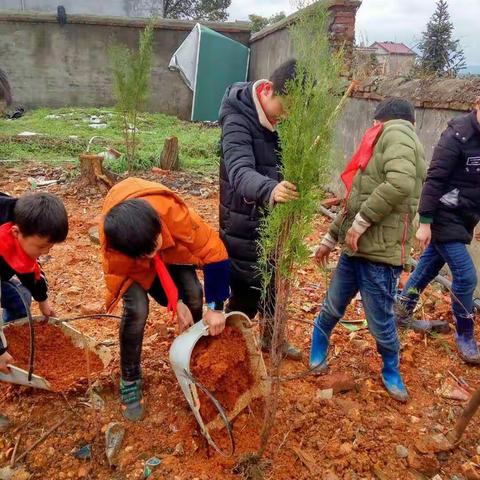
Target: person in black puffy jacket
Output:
[(449, 212), (250, 181)]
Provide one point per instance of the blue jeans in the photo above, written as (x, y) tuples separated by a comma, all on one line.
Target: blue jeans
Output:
[(464, 274), (11, 303), (377, 284)]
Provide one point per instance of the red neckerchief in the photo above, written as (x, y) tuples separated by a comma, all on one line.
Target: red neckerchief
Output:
[(362, 156), (14, 255), (169, 287), (259, 91)]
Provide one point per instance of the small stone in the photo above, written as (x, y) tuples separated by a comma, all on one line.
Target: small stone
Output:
[(401, 451), (325, 394), (345, 449), (94, 235), (82, 472), (426, 464), (437, 477), (414, 420), (470, 472), (51, 451), (331, 476), (179, 449), (128, 449)]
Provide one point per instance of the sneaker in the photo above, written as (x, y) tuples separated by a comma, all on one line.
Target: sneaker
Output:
[(290, 351), (133, 407), (424, 326), (5, 423)]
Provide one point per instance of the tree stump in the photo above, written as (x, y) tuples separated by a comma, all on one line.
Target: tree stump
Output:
[(169, 159), (92, 172)]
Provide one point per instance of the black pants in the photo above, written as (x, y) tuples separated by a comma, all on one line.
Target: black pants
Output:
[(248, 300), (135, 313)]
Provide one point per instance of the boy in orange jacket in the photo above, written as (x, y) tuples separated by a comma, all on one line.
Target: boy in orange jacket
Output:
[(151, 244)]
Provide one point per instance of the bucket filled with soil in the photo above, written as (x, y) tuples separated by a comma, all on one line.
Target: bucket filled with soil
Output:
[(63, 356), (220, 376)]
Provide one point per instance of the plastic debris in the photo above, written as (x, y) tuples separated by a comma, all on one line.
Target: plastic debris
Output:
[(113, 441), (83, 453), (150, 466)]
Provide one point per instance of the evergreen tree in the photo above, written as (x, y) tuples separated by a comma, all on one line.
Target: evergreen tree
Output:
[(259, 22), (211, 10), (441, 54)]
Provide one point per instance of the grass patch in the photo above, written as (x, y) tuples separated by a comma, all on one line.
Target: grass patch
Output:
[(65, 134)]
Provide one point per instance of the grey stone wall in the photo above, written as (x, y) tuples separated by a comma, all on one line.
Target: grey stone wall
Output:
[(49, 65), (121, 8)]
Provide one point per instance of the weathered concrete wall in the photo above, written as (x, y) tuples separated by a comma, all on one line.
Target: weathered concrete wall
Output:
[(436, 103), (52, 65), (119, 8), (272, 46)]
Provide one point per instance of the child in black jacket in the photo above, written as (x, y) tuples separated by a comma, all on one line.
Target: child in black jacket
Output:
[(29, 227), (449, 212)]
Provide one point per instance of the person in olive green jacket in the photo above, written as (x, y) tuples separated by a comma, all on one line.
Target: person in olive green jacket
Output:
[(384, 182)]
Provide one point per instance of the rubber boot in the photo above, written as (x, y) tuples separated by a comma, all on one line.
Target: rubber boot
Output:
[(319, 349), (392, 378), (133, 407), (466, 343)]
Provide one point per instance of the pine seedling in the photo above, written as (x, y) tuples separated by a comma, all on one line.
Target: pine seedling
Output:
[(131, 73), (313, 101)]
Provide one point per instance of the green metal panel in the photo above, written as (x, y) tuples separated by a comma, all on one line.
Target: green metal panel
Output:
[(221, 62)]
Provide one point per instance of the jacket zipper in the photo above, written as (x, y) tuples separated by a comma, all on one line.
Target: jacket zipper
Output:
[(404, 238)]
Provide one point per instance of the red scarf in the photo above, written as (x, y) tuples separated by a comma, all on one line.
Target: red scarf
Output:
[(13, 253), (362, 156), (169, 287), (259, 91)]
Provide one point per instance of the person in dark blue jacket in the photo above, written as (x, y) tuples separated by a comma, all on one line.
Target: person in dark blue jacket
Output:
[(449, 213), (250, 180)]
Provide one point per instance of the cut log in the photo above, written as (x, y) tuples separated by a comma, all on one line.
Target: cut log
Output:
[(93, 173), (169, 158)]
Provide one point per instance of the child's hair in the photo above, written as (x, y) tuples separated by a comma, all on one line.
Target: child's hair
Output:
[(132, 227), (395, 109), (41, 214), (282, 75)]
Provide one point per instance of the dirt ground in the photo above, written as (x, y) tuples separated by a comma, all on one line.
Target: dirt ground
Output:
[(354, 435)]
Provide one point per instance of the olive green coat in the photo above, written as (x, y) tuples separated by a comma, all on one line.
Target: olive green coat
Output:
[(386, 194)]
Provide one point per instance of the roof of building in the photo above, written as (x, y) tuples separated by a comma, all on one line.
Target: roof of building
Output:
[(394, 48)]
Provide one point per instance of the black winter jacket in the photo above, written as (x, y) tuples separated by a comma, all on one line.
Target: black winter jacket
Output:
[(249, 171), (455, 173)]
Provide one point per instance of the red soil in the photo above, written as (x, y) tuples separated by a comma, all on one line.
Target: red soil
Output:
[(222, 365), (56, 358)]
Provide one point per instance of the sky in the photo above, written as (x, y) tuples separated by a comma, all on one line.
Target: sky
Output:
[(395, 20)]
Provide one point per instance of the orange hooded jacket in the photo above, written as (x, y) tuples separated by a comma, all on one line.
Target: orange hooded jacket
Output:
[(186, 238)]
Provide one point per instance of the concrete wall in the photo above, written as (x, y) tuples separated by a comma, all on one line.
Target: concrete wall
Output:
[(121, 8), (273, 45), (52, 65)]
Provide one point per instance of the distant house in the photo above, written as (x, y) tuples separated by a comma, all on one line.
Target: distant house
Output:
[(393, 58)]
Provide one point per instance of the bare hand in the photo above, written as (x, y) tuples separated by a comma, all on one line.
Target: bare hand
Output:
[(352, 239), (477, 235), (321, 255), (47, 310), (284, 192), (5, 360), (185, 319), (424, 235), (215, 321)]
